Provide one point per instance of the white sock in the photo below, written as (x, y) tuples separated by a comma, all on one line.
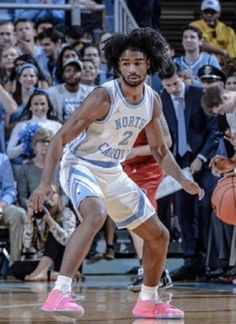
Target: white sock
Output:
[(63, 283), (148, 293)]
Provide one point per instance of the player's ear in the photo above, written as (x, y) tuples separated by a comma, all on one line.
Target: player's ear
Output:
[(148, 66)]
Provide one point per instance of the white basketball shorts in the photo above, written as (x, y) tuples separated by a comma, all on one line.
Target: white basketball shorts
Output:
[(126, 204)]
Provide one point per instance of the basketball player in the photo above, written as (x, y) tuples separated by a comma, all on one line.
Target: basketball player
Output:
[(92, 143)]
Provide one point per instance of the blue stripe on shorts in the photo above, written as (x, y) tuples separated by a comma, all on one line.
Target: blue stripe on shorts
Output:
[(79, 188), (137, 215)]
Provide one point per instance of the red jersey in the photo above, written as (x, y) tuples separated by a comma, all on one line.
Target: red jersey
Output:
[(144, 170)]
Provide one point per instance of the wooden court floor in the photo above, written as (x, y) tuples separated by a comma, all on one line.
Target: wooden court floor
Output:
[(106, 300)]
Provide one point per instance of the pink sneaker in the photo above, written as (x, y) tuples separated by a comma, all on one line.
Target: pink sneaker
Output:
[(150, 309), (57, 302)]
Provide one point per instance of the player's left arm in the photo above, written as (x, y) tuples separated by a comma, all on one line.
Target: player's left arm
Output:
[(163, 156)]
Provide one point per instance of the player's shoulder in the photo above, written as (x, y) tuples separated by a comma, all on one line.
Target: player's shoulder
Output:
[(100, 93)]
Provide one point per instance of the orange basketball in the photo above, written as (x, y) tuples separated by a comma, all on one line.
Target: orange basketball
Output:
[(224, 200)]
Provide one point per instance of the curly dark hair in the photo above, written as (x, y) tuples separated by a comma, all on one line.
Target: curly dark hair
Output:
[(146, 40)]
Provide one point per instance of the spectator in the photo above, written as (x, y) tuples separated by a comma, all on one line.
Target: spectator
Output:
[(89, 73), (30, 172), (209, 74), (7, 35), (19, 61), (67, 53), (25, 35), (8, 54), (221, 249), (51, 41), (9, 213), (8, 106), (193, 59), (68, 96), (26, 82), (43, 24), (38, 113), (218, 38), (200, 135), (48, 234), (91, 52)]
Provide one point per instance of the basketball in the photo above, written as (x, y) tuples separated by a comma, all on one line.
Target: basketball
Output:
[(224, 200)]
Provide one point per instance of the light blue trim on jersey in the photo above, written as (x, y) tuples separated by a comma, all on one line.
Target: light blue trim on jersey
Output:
[(137, 215), (75, 144), (117, 86), (101, 164)]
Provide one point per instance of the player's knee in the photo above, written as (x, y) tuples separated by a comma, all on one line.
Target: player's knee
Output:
[(96, 220), (162, 236)]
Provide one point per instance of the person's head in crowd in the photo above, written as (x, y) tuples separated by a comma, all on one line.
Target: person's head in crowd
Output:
[(72, 71), (67, 53), (229, 65), (8, 54), (7, 34), (42, 24), (85, 40), (26, 81), (211, 75), (27, 75), (102, 41), (210, 11), (28, 58), (51, 41), (91, 52), (171, 80), (25, 30), (192, 39), (89, 73), (39, 106), (40, 141), (230, 83)]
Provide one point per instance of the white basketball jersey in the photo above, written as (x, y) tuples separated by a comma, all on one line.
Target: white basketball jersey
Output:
[(106, 143)]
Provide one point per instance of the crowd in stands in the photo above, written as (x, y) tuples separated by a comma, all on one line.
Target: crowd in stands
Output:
[(48, 68)]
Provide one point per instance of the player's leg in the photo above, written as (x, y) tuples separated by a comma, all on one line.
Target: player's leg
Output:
[(129, 207), (156, 239), (93, 212), (87, 199)]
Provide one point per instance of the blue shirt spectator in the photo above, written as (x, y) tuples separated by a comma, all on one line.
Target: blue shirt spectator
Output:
[(7, 184)]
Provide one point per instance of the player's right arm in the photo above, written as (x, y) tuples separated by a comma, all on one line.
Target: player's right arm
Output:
[(95, 107)]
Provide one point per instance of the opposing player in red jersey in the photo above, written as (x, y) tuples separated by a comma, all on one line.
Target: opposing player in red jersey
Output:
[(142, 168)]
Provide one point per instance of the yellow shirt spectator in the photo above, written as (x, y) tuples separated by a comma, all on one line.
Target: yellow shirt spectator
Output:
[(222, 36)]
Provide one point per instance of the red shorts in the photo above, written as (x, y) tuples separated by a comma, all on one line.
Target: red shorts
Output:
[(147, 177)]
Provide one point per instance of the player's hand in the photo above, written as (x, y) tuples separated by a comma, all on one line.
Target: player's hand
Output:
[(222, 164), (41, 194), (192, 188)]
